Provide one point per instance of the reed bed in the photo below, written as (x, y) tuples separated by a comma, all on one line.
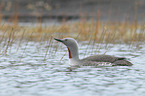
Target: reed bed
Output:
[(93, 31), (96, 31)]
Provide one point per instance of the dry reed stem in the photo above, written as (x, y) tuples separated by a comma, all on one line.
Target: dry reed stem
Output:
[(26, 46), (49, 44), (20, 41), (8, 44)]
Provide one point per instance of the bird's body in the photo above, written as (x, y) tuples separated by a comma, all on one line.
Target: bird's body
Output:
[(116, 61), (96, 60)]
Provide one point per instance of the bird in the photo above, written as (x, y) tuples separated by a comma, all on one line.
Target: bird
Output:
[(95, 60)]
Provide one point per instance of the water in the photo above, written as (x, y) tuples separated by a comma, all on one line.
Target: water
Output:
[(25, 73)]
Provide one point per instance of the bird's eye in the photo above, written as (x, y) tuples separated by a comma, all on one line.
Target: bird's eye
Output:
[(65, 39)]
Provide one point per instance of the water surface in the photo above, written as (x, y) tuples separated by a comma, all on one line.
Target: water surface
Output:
[(26, 73)]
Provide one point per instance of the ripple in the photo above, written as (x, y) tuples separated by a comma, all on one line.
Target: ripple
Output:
[(26, 73)]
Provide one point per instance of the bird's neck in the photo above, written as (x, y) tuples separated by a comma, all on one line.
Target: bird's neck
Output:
[(73, 53), (73, 57)]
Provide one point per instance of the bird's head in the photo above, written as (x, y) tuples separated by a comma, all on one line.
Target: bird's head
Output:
[(72, 46), (69, 42)]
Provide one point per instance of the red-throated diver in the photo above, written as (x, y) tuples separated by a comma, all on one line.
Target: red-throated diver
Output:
[(96, 60)]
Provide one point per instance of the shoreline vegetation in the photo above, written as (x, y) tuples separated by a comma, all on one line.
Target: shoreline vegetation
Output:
[(115, 28), (83, 30), (93, 31), (95, 21)]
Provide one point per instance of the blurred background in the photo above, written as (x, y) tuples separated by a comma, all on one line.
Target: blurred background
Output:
[(73, 9), (32, 63)]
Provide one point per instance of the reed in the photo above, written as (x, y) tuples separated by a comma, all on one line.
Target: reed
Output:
[(94, 31), (115, 31)]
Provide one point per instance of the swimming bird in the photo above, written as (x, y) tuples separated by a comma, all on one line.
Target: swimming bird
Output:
[(95, 60)]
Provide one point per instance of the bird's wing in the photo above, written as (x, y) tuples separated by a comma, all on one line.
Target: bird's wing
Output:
[(103, 58)]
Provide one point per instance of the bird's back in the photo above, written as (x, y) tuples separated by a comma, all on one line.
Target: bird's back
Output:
[(103, 58), (120, 61)]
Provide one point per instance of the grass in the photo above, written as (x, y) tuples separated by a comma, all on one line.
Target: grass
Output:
[(92, 31), (96, 31)]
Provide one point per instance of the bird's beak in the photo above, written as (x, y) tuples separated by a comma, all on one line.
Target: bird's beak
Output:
[(58, 40)]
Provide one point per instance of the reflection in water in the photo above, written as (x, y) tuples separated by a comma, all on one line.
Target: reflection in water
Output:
[(32, 76)]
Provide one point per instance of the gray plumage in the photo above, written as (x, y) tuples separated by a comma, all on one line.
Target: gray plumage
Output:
[(117, 61)]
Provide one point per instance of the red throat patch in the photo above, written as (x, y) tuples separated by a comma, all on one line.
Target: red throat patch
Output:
[(69, 53)]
